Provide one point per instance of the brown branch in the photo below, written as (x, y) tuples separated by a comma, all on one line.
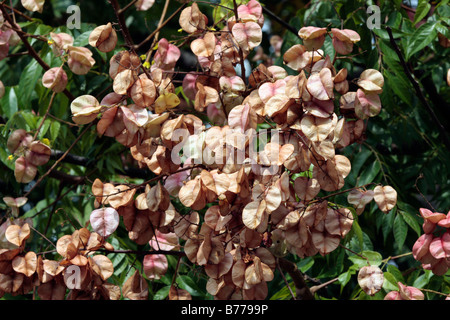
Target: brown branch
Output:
[(174, 278), (121, 20), (67, 178), (145, 183), (241, 53), (70, 124), (286, 25), (143, 252), (418, 90), (285, 281), (60, 159), (19, 13), (85, 162), (30, 49), (161, 20), (441, 104), (323, 285), (302, 289), (125, 32), (18, 54), (121, 11), (355, 253), (409, 8), (72, 186), (43, 236), (136, 252)]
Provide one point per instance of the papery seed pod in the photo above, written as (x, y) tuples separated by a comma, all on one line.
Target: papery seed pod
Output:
[(18, 138), (343, 40), (2, 89), (385, 197), (80, 60), (33, 5), (60, 42), (313, 37), (370, 279), (85, 109), (191, 19), (104, 38), (143, 5), (55, 79)]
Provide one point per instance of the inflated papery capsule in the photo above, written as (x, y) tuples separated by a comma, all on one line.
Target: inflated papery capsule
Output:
[(55, 79), (104, 38)]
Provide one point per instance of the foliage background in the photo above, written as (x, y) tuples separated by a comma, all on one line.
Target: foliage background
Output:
[(404, 147)]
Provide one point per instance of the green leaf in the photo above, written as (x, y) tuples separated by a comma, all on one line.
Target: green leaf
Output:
[(8, 104), (390, 283), (54, 130), (4, 158), (305, 264), (82, 40), (443, 29), (443, 3), (189, 285), (44, 128), (345, 277), (358, 158), (41, 30), (400, 230), (27, 83), (399, 86), (162, 293), (421, 38), (284, 293), (421, 11), (358, 232), (387, 222), (411, 221), (30, 119), (423, 280), (370, 173), (396, 273), (371, 257)]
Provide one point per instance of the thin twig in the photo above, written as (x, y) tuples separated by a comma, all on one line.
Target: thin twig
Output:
[(323, 285), (63, 121), (280, 21), (43, 236), (241, 53), (174, 278), (30, 49), (18, 12), (60, 159), (435, 292), (121, 21), (161, 20), (126, 32), (121, 11), (420, 192), (138, 46), (73, 186), (285, 281), (45, 115), (143, 252), (418, 90), (355, 253), (344, 191), (302, 289)]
